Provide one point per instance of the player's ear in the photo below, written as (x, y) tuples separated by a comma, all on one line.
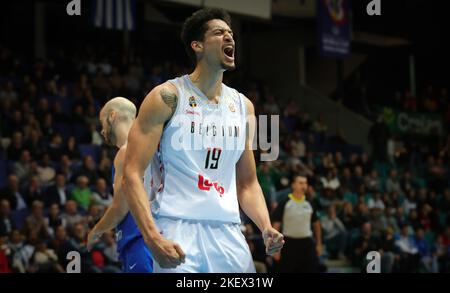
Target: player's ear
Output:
[(112, 115), (197, 46)]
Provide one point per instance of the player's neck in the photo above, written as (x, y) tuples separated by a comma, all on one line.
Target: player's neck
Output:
[(207, 80)]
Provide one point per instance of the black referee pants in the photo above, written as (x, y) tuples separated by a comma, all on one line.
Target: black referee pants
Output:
[(299, 256)]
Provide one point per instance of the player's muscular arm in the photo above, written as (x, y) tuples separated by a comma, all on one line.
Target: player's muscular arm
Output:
[(118, 208), (143, 140), (250, 195)]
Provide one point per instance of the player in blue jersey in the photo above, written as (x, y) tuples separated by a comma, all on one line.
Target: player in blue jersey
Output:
[(116, 118)]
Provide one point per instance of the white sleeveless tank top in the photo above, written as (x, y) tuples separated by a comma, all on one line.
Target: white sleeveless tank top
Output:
[(194, 168)]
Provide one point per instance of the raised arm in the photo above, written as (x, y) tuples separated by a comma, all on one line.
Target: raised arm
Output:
[(143, 140), (250, 195)]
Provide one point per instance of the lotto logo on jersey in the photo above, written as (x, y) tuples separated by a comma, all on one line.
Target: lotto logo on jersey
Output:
[(205, 185)]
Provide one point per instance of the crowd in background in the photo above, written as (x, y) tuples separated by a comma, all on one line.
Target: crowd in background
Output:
[(55, 171)]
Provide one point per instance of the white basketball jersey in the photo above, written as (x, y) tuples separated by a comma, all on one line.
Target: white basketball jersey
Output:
[(199, 148)]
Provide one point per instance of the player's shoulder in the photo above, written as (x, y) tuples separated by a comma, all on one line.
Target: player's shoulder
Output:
[(159, 104), (167, 87), (249, 105)]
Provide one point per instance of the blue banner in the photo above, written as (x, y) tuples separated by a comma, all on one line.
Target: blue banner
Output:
[(334, 30), (114, 14)]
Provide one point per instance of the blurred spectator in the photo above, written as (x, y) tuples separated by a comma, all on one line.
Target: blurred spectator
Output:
[(443, 252), (364, 244), (271, 106), (409, 253), (87, 169), (82, 193), (20, 252), (373, 182), (346, 180), (8, 92), (13, 194), (96, 137), (45, 260), (78, 243), (16, 125), (36, 221), (407, 182), (94, 214), (101, 194), (48, 131), (15, 148), (55, 148), (110, 250), (65, 167), (22, 167), (265, 179), (320, 127), (71, 215), (393, 183), (388, 252), (54, 219), (45, 172), (410, 202), (71, 149), (6, 221), (4, 252), (428, 259), (331, 181), (358, 177), (34, 143), (33, 191), (389, 222), (61, 245), (57, 193), (376, 202), (334, 233), (349, 219)]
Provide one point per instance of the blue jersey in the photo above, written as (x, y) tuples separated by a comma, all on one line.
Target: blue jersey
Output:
[(132, 250)]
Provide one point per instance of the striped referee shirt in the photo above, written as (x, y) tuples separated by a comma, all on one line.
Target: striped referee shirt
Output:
[(296, 216)]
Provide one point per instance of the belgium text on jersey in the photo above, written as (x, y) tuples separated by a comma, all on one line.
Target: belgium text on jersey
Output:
[(196, 132)]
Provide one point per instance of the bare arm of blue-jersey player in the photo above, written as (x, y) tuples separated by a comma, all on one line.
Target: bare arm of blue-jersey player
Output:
[(250, 195), (118, 209), (143, 140)]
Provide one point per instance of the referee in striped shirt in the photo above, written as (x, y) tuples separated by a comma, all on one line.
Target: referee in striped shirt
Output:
[(297, 219)]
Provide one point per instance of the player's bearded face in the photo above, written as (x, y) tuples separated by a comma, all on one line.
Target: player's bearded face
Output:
[(219, 44), (108, 133)]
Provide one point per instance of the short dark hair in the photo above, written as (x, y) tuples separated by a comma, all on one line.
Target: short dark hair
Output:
[(194, 27), (301, 175)]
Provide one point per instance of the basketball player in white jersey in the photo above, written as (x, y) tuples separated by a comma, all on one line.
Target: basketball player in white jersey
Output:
[(194, 223)]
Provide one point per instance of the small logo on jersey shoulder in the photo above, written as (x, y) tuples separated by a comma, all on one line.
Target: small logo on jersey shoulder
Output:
[(192, 102), (232, 107)]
